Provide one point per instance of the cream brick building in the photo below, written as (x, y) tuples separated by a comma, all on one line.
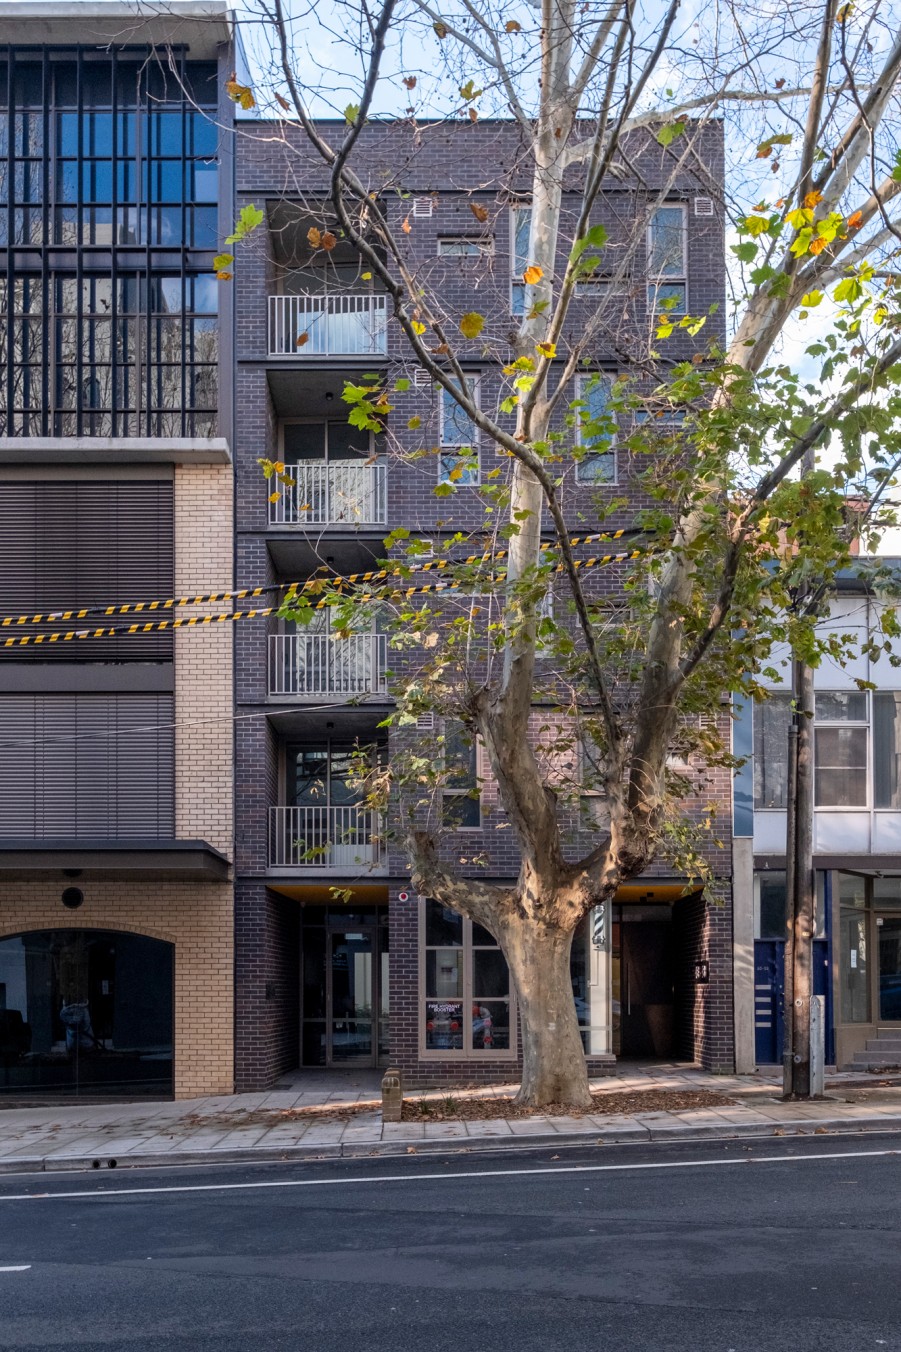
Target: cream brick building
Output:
[(116, 487)]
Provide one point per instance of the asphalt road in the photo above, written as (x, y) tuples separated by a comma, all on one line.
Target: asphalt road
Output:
[(728, 1247)]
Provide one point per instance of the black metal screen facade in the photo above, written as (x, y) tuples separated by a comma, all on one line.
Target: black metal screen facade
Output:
[(108, 226)]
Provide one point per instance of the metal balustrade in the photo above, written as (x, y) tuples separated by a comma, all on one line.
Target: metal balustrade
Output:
[(320, 664), (335, 492), (325, 837), (339, 325)]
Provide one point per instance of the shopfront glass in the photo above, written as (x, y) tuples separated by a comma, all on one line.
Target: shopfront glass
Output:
[(85, 1012), (853, 949)]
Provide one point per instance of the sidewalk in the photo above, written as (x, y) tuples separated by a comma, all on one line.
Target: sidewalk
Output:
[(252, 1127)]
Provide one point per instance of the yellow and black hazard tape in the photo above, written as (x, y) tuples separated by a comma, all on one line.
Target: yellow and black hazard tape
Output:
[(290, 588), (261, 612)]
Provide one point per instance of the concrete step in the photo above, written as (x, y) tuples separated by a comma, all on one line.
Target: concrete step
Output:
[(876, 1061), (884, 1044)]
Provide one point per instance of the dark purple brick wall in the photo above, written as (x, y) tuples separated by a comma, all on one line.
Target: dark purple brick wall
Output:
[(444, 161)]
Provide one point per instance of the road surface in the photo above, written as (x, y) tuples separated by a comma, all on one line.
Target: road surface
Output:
[(787, 1245)]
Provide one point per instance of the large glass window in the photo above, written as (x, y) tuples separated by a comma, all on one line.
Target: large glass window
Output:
[(853, 949), (520, 228), (596, 430), (92, 344), (466, 986), (462, 804), (459, 460), (667, 263), (772, 722), (887, 748), (85, 1012), (840, 749)]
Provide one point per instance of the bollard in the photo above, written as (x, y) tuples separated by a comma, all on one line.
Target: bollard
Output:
[(392, 1095)]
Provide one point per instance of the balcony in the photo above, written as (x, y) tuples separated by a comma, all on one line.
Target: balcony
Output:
[(336, 492), (325, 838), (319, 664), (340, 325)]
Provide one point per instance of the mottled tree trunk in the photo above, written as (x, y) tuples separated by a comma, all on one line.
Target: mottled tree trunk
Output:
[(554, 1069)]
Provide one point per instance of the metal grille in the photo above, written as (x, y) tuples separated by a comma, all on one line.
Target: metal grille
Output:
[(320, 664), (99, 766), (331, 493), (324, 837), (108, 215), (345, 324)]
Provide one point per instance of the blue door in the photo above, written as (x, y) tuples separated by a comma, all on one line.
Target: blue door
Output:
[(769, 997)]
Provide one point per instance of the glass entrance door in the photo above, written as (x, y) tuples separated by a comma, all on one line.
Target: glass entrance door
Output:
[(889, 932), (353, 1000)]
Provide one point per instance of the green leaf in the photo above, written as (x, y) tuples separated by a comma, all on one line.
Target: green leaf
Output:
[(351, 113), (755, 225), (745, 252), (402, 385), (595, 238), (222, 261), (249, 218), (758, 276), (469, 91), (812, 299), (669, 131), (414, 422), (471, 324)]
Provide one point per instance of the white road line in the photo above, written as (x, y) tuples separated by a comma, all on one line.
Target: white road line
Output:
[(25, 1267), (447, 1177)]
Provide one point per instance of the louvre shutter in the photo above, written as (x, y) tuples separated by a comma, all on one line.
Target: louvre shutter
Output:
[(87, 766), (85, 543)]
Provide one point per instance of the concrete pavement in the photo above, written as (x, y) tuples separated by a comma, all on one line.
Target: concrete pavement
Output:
[(308, 1117)]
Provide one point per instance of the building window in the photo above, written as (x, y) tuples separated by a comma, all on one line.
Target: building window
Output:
[(594, 809), (459, 459), (461, 800), (772, 720), (465, 986), (840, 749), (667, 272), (129, 163), (887, 748), (596, 431), (520, 228), (465, 247)]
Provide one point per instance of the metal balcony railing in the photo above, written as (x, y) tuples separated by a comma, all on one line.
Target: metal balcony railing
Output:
[(325, 837), (340, 325), (336, 492), (320, 664)]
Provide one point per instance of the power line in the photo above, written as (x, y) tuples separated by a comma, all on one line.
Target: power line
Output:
[(290, 588), (261, 612)]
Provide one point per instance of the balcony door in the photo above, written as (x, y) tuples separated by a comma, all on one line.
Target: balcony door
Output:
[(323, 824), (335, 480)]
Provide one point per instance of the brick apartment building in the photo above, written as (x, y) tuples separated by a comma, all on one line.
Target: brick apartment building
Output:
[(383, 973), (116, 901), (163, 927)]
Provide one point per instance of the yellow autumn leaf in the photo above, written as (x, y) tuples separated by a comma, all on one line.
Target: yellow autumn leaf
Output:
[(548, 350), (418, 327), (279, 466), (314, 237), (532, 274), (812, 198), (471, 324), (274, 497), (511, 26)]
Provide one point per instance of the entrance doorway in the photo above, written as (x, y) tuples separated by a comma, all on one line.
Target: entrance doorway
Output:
[(344, 1014), (642, 979), (889, 931)]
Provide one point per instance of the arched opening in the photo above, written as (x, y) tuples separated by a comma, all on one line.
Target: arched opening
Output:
[(85, 1013)]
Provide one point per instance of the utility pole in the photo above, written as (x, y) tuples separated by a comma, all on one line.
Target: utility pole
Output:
[(800, 891), (799, 887)]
